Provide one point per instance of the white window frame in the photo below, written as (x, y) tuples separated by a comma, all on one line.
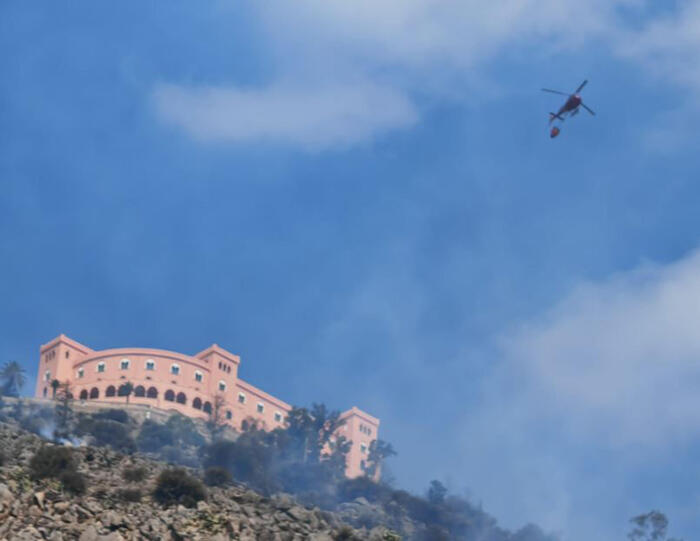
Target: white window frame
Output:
[(198, 376), (47, 375), (222, 386), (176, 372), (241, 396), (100, 367), (80, 373), (151, 363), (278, 417), (363, 448), (260, 408), (123, 362)]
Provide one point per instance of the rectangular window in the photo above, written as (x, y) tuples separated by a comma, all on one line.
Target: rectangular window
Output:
[(67, 354), (241, 398), (124, 365), (81, 373), (261, 407), (222, 386), (363, 448), (229, 415), (175, 369), (101, 367), (198, 376), (150, 365), (47, 376), (278, 417)]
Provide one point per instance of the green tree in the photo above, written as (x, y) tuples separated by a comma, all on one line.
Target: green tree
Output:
[(310, 431), (436, 492), (336, 459), (63, 409), (651, 526), (13, 379), (216, 422), (55, 384), (126, 389), (379, 451)]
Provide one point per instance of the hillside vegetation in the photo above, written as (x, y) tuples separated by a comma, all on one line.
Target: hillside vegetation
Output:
[(184, 480)]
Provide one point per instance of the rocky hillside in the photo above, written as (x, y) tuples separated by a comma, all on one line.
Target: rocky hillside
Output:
[(112, 509)]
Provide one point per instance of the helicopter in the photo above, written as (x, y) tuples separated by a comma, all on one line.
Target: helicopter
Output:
[(571, 106)]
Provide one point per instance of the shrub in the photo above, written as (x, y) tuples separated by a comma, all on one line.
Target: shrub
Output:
[(173, 454), (51, 461), (349, 489), (113, 434), (134, 474), (2, 458), (176, 486), (345, 533), (217, 476), (129, 494), (153, 437), (120, 416), (184, 430), (73, 481)]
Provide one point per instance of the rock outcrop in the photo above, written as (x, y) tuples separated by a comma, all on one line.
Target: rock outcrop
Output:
[(33, 510)]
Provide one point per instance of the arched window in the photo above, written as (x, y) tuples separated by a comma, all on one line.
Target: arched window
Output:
[(170, 395), (111, 391), (152, 392), (207, 407), (181, 398), (197, 403), (94, 393), (140, 391), (83, 394)]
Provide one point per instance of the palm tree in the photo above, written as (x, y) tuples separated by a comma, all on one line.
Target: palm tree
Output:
[(54, 387), (125, 390), (12, 377)]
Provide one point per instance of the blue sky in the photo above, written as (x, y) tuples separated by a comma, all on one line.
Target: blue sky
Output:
[(361, 199)]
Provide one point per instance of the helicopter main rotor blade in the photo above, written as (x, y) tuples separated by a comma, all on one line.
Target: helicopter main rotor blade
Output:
[(584, 83), (554, 92), (587, 108)]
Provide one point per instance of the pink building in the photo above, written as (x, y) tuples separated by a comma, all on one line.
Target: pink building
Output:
[(187, 384)]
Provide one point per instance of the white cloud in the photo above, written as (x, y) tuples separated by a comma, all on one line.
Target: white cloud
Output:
[(586, 398), (420, 33), (669, 45), (620, 358), (313, 118), (393, 48), (397, 48)]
